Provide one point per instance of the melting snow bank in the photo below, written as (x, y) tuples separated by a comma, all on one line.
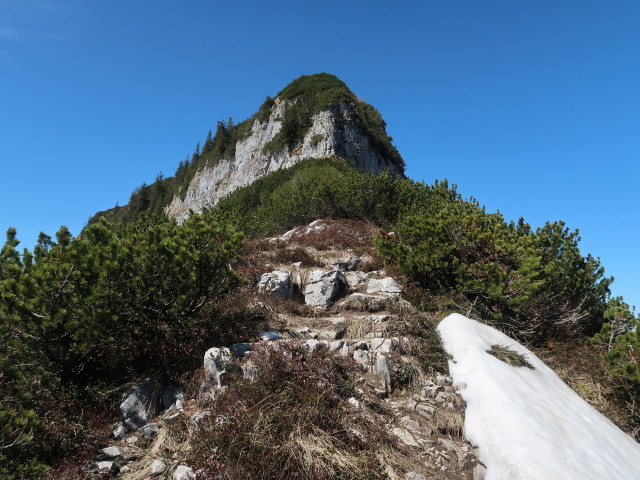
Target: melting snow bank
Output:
[(527, 423)]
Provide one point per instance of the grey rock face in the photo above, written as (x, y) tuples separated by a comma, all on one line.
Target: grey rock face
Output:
[(142, 404), (339, 134), (278, 282), (323, 287)]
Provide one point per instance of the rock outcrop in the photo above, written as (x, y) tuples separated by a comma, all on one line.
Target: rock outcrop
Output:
[(335, 132)]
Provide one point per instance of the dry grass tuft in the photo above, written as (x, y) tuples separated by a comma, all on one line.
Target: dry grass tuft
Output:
[(449, 422), (510, 357), (319, 452), (357, 327)]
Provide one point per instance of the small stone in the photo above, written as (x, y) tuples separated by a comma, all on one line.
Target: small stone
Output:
[(315, 345), (239, 350), (269, 336), (303, 330), (131, 440), (157, 467), (405, 437), (126, 469), (217, 363), (336, 345), (353, 402), (413, 476), (361, 345), (362, 358), (112, 452), (183, 473), (426, 411), (387, 285), (106, 466), (443, 381), (297, 265), (382, 370), (443, 397), (410, 424), (410, 405), (150, 430), (119, 432)]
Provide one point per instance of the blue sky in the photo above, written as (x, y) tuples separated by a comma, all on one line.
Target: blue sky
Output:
[(531, 107)]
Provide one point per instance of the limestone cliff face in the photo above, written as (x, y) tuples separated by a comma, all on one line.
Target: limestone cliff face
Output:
[(335, 132)]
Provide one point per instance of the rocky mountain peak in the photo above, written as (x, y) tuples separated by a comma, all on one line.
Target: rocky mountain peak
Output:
[(315, 116)]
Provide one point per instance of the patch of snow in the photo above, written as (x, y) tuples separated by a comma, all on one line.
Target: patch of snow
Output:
[(528, 424)]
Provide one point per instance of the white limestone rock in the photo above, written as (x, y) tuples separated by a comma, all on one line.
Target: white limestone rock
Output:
[(183, 473), (323, 287), (112, 452), (384, 345), (157, 467), (386, 285), (278, 282), (217, 363), (362, 358), (383, 371)]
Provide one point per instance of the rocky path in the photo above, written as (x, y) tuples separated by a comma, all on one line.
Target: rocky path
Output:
[(358, 316)]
